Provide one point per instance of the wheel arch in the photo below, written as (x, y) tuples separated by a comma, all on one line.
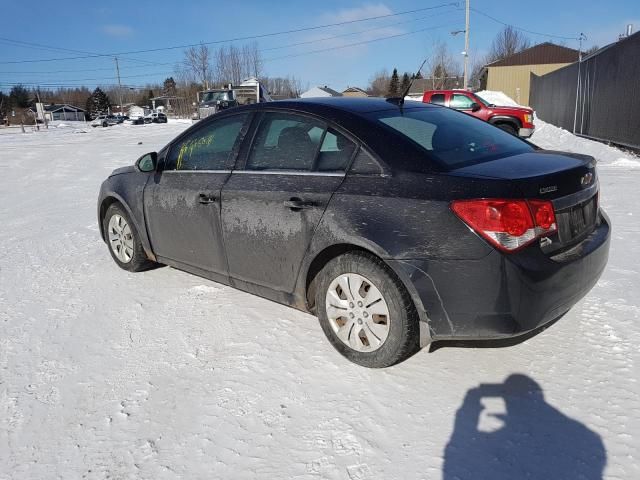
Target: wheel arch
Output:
[(498, 119), (109, 200), (327, 254)]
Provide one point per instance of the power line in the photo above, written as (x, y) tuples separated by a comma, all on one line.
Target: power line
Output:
[(523, 29), (357, 43), (39, 46), (279, 47), (338, 47), (237, 39)]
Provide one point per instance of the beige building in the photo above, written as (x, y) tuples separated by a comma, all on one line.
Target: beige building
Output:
[(354, 92), (512, 75)]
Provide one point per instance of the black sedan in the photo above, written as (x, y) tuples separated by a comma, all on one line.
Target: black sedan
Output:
[(396, 224)]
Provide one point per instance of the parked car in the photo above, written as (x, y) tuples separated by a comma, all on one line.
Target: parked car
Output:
[(121, 118), (156, 117), (104, 121), (135, 120), (396, 225), (515, 120)]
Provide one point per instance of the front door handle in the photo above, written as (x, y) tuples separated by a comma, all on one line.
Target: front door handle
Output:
[(297, 204), (206, 198)]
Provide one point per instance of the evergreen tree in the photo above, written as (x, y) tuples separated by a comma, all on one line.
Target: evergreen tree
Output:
[(405, 82), (394, 84), (20, 97), (97, 103), (169, 87), (4, 106)]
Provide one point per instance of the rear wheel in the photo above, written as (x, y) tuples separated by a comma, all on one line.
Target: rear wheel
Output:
[(508, 127), (123, 241), (365, 311)]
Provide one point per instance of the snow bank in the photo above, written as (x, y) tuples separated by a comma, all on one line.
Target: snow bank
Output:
[(551, 137), (498, 98)]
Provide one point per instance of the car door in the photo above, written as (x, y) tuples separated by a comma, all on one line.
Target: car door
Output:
[(182, 202), (271, 208)]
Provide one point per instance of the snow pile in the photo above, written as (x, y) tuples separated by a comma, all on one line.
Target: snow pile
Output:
[(498, 98), (551, 137)]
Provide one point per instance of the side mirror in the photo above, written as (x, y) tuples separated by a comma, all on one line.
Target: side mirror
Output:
[(475, 107), (148, 162)]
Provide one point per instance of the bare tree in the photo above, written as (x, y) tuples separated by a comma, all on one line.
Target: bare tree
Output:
[(283, 87), (379, 83), (252, 60), (197, 61), (507, 42), (442, 66)]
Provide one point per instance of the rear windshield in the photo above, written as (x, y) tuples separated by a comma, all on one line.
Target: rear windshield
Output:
[(452, 139)]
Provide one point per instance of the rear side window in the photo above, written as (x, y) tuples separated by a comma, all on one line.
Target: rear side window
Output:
[(437, 98), (285, 142), (450, 138), (335, 152), (208, 148)]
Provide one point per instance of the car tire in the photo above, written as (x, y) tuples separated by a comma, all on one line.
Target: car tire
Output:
[(123, 240), (508, 127), (371, 332), (105, 124)]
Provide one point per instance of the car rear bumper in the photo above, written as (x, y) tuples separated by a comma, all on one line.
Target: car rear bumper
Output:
[(526, 132), (505, 295)]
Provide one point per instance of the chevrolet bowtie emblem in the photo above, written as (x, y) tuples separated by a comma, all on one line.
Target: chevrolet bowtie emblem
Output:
[(586, 179)]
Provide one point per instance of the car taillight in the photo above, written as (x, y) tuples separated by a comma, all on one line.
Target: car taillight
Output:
[(507, 224)]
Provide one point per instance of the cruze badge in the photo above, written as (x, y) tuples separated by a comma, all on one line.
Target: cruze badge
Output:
[(552, 188), (586, 179)]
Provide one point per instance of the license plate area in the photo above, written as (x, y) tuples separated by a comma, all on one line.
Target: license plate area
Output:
[(577, 221)]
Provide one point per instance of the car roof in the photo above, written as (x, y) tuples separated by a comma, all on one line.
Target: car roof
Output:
[(345, 104)]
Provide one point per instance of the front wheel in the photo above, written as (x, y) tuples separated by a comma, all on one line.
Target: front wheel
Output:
[(507, 127), (122, 239), (365, 311)]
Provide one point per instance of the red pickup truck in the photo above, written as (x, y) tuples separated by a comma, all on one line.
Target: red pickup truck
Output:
[(515, 120)]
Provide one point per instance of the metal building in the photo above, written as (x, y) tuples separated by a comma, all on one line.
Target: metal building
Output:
[(511, 75)]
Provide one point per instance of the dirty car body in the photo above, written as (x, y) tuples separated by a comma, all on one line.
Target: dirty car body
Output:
[(245, 216)]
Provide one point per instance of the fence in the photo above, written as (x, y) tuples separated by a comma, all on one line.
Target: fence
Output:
[(606, 85)]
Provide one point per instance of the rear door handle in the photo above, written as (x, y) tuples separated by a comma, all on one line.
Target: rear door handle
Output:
[(296, 204), (206, 198)]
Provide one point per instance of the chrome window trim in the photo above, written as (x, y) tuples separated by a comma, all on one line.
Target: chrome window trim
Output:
[(196, 171), (291, 172)]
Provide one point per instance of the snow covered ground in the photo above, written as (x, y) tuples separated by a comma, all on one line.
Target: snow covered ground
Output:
[(162, 375)]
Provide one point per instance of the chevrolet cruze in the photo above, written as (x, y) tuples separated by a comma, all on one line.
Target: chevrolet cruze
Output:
[(395, 224)]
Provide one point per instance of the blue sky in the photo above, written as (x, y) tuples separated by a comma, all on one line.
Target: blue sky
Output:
[(118, 26)]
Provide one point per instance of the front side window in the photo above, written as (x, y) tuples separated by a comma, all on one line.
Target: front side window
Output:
[(452, 139), (461, 102), (285, 142), (208, 148)]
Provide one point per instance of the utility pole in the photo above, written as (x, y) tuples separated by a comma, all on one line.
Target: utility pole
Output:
[(578, 82), (119, 85), (44, 113), (466, 47)]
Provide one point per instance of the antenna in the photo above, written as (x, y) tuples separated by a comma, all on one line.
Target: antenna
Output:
[(406, 90)]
